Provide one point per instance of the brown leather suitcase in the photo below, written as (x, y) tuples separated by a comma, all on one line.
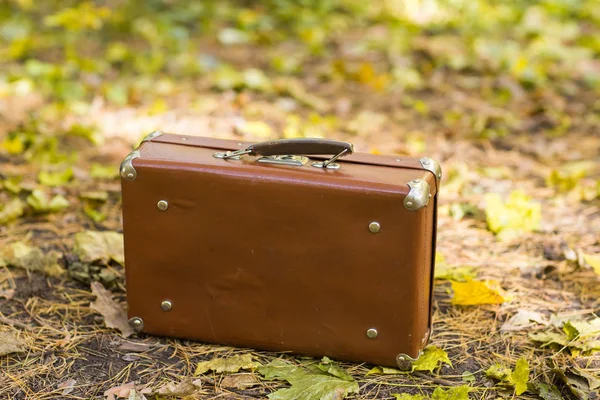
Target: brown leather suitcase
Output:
[(294, 246)]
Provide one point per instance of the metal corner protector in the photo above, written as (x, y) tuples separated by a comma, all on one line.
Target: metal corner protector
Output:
[(431, 165), (418, 195), (151, 136), (127, 170)]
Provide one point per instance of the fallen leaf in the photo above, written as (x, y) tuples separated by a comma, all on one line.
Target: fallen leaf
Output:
[(11, 211), (135, 347), (6, 293), (384, 371), (257, 129), (468, 376), (547, 392), (239, 381), (582, 384), (550, 338), (41, 203), (592, 260), (135, 395), (509, 219), (517, 378), (311, 383), (451, 273), (92, 246), (523, 319), (520, 376), (114, 315), (230, 364), (477, 292), (122, 392), (20, 255), (99, 171), (294, 87), (431, 358), (67, 386), (578, 335), (48, 178), (405, 396), (455, 393), (184, 388), (9, 343), (498, 372), (94, 196), (576, 329)]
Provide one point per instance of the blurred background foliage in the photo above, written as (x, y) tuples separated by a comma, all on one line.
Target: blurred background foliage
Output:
[(71, 50)]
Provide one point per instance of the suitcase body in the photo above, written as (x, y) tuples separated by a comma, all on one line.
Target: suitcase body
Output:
[(270, 252)]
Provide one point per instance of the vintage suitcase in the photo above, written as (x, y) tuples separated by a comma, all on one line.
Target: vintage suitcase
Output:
[(291, 246)]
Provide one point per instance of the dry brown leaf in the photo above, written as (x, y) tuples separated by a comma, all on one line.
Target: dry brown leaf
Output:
[(92, 246), (68, 386), (120, 392), (114, 315), (239, 381), (524, 319), (7, 293), (21, 255), (184, 388), (135, 347), (10, 343)]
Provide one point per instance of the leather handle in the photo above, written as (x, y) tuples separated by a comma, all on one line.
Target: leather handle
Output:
[(301, 146)]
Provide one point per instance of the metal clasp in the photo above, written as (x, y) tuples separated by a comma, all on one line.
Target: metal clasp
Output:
[(330, 164), (234, 155), (284, 160)]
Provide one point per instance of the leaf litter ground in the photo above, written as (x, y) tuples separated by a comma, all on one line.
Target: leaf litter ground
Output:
[(526, 249)]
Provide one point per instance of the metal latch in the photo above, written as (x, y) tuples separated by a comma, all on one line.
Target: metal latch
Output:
[(284, 160)]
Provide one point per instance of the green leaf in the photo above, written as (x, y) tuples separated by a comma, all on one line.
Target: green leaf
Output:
[(11, 211), (12, 184), (325, 381), (431, 359), (455, 393), (98, 196), (41, 203), (498, 372), (91, 211), (547, 392), (99, 171), (468, 376), (55, 178), (581, 383), (230, 364), (579, 328), (384, 371), (405, 396), (21, 255), (457, 274), (520, 376), (88, 132), (93, 247)]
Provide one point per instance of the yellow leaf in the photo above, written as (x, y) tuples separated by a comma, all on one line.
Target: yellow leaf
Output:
[(256, 129), (517, 215), (472, 293), (13, 145), (593, 261)]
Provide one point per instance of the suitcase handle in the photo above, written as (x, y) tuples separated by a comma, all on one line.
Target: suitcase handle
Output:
[(304, 146), (300, 146)]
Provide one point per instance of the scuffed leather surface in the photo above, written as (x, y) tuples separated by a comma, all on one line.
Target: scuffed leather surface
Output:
[(276, 257)]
